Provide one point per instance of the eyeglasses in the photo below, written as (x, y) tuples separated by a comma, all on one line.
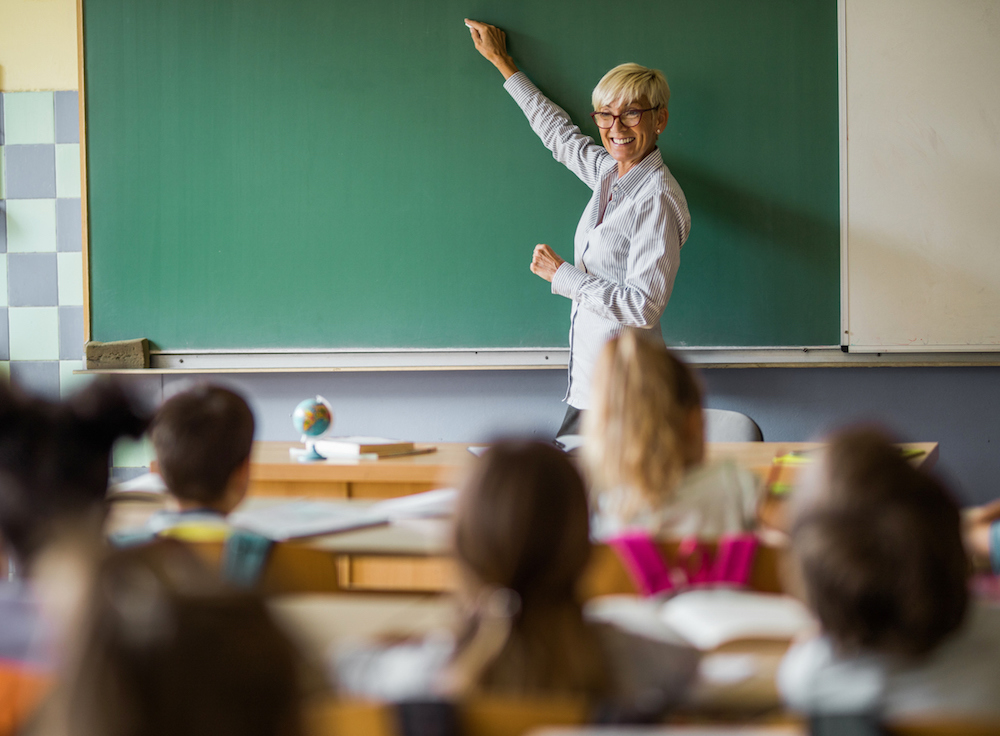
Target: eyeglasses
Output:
[(629, 118)]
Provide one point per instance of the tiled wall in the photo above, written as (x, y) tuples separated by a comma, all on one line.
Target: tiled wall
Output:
[(41, 264)]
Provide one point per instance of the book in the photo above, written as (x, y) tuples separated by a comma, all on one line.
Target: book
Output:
[(710, 618), (355, 446)]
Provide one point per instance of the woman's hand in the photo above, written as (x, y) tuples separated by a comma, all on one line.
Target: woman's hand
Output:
[(545, 262), (491, 42)]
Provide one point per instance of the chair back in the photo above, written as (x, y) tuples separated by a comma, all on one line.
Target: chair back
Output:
[(481, 715), (930, 726), (723, 425), (291, 568)]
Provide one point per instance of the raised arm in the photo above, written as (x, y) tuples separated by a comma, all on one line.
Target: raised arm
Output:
[(491, 42), (570, 147)]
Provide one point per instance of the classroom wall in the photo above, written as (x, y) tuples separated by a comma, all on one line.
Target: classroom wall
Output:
[(38, 48), (957, 407)]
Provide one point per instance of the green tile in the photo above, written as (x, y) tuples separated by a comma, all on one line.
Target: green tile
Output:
[(70, 266), (129, 453), (29, 117), (5, 371), (68, 170), (34, 333), (3, 279), (31, 225), (69, 382)]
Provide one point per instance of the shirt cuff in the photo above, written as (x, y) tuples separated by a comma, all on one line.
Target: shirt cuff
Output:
[(520, 87), (567, 280)]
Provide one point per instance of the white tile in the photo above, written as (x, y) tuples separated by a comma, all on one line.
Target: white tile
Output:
[(34, 333), (68, 381), (129, 453), (31, 225), (68, 170), (3, 175), (29, 117), (70, 266), (3, 279)]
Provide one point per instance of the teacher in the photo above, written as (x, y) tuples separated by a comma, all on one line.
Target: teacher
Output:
[(627, 245)]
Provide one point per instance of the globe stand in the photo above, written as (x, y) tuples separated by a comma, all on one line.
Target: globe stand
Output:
[(311, 455)]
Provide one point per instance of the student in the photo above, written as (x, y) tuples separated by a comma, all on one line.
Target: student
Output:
[(202, 438), (644, 449), (522, 542), (879, 551), (54, 459), (166, 649)]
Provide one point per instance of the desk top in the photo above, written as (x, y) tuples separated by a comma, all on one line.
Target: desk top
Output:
[(318, 622), (271, 462)]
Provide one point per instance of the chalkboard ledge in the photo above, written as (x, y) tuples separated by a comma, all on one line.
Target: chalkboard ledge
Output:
[(332, 361)]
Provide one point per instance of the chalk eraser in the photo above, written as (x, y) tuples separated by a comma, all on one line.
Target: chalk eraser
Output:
[(117, 354)]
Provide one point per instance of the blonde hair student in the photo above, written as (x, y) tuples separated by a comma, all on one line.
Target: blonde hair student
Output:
[(644, 449)]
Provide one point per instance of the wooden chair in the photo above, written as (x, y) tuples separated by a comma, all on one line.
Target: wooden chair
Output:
[(606, 575), (477, 716), (942, 727), (291, 568)]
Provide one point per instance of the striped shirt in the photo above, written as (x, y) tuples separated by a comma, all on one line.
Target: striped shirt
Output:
[(627, 245)]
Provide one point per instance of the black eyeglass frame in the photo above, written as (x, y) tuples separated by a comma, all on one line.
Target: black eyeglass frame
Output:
[(593, 116)]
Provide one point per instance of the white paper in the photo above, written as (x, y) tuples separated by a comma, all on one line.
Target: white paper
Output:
[(709, 618), (146, 483)]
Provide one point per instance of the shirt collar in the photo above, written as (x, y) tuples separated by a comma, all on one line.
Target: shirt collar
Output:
[(629, 183)]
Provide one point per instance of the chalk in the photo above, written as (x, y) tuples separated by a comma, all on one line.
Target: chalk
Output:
[(468, 25)]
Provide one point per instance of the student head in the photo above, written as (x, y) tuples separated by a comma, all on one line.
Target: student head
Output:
[(879, 549), (203, 439), (54, 459), (522, 525), (645, 427), (165, 649)]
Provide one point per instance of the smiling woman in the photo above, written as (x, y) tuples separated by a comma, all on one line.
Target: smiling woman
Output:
[(627, 245)]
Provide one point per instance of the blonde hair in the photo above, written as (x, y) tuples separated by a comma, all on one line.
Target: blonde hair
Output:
[(637, 429), (630, 82)]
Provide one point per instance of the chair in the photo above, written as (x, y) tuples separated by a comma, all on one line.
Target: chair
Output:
[(723, 425), (481, 715), (929, 726), (290, 568)]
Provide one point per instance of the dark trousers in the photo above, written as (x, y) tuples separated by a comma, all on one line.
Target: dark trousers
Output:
[(571, 422)]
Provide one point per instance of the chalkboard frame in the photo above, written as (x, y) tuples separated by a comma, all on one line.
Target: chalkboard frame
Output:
[(459, 358)]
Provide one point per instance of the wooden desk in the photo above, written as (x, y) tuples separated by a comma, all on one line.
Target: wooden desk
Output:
[(274, 473), (318, 622)]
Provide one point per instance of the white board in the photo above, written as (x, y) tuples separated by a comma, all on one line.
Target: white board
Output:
[(923, 175)]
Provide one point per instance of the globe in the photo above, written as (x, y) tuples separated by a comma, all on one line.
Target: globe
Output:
[(312, 417)]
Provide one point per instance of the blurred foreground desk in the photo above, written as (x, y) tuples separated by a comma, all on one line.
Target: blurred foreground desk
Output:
[(273, 472)]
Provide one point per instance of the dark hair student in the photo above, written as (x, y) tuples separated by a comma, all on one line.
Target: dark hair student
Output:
[(202, 437), (54, 459)]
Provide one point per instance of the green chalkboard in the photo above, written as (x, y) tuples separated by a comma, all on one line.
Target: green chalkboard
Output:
[(328, 174)]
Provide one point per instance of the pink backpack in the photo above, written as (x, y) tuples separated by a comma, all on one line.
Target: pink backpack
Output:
[(695, 565)]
